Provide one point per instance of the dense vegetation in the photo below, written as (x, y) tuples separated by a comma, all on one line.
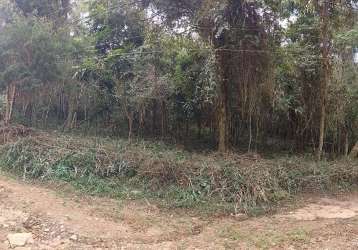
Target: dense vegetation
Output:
[(270, 77), (169, 176), (236, 74)]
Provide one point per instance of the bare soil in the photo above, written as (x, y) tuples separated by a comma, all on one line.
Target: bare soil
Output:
[(69, 221)]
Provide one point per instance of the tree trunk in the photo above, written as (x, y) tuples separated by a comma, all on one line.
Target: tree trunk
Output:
[(163, 124), (142, 120), (321, 131), (130, 116), (72, 113), (130, 126), (346, 144), (250, 133), (325, 70), (223, 99), (10, 100), (199, 124), (154, 118), (69, 120)]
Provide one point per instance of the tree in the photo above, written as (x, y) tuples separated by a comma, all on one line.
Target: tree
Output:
[(318, 93), (323, 8), (228, 26), (56, 10), (32, 58)]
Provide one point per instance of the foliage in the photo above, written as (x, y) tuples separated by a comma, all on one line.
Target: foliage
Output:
[(43, 8)]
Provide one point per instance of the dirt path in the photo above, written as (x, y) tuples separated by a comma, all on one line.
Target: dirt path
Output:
[(58, 222)]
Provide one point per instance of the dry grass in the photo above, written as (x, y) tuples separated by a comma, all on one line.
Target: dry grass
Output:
[(246, 181)]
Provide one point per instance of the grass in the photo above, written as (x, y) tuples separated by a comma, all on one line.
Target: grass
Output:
[(265, 239), (172, 177)]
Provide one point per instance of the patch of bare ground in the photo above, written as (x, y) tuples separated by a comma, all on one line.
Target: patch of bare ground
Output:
[(70, 222)]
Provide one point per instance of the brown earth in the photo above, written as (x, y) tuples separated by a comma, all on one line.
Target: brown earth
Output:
[(69, 221)]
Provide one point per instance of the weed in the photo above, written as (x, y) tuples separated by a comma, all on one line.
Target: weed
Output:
[(299, 235), (101, 166)]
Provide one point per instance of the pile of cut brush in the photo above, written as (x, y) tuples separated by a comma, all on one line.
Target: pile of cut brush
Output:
[(40, 154), (187, 178), (11, 133)]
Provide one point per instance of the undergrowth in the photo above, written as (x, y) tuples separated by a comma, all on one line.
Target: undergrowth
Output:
[(176, 178)]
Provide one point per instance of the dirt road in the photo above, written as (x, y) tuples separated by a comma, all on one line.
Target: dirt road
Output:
[(57, 221)]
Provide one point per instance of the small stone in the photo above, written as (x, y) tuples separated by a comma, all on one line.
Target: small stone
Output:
[(19, 239), (74, 237)]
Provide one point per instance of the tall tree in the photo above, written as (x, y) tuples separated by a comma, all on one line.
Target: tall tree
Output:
[(32, 57), (226, 26), (323, 7)]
